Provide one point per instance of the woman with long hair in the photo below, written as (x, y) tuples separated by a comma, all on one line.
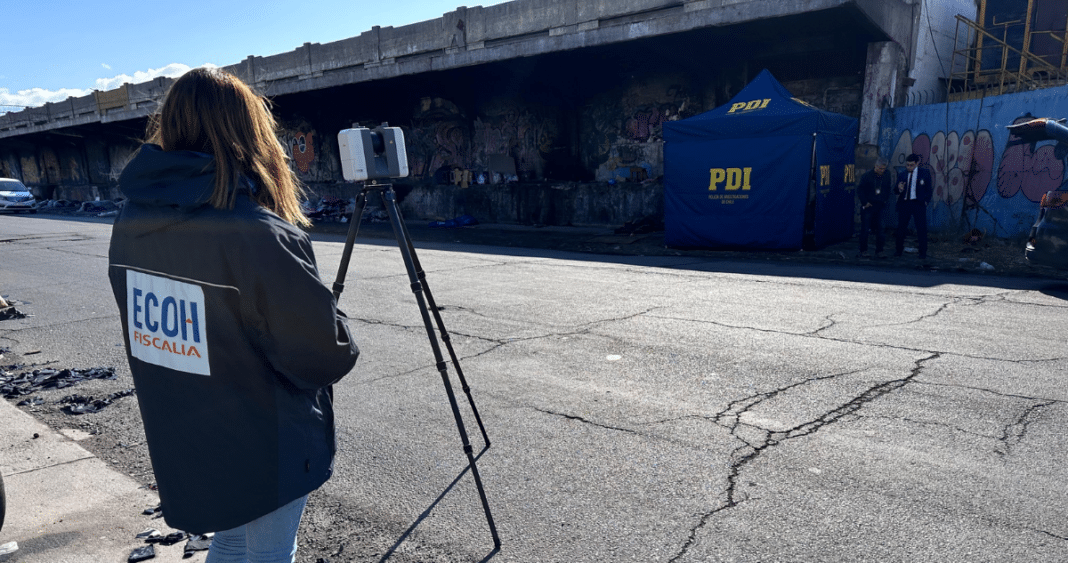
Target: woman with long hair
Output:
[(233, 340)]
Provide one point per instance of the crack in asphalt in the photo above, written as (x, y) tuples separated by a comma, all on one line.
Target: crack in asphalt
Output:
[(1050, 534), (744, 455), (829, 322), (1013, 433), (442, 271), (813, 334), (498, 343), (730, 418), (585, 420), (992, 392), (935, 424)]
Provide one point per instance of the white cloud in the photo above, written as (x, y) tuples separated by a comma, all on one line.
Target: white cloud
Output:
[(37, 96), (172, 70), (106, 65), (34, 97)]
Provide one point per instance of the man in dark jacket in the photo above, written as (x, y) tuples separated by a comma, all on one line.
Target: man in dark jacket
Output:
[(874, 191), (914, 191)]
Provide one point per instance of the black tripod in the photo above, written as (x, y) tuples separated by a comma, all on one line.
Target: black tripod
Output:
[(426, 307)]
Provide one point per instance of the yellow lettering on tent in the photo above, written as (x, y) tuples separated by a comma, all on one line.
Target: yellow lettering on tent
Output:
[(850, 175), (825, 175), (718, 175), (750, 106), (735, 178)]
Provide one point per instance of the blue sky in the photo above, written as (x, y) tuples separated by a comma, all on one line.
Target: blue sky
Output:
[(54, 49)]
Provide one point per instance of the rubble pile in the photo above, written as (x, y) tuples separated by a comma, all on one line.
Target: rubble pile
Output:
[(329, 209), (105, 208)]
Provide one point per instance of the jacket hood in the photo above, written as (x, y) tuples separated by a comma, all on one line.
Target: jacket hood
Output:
[(158, 178)]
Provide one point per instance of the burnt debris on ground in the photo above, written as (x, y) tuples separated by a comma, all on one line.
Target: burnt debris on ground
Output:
[(14, 386), (8, 310)]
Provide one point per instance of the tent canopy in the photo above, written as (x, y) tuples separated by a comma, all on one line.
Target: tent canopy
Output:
[(761, 171)]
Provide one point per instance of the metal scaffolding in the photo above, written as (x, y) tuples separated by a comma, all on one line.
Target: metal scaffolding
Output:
[(991, 65)]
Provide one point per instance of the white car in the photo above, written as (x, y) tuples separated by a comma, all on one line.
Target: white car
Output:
[(16, 197)]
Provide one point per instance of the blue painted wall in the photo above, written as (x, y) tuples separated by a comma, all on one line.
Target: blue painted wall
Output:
[(984, 178)]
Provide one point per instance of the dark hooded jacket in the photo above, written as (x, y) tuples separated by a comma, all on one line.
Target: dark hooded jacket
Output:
[(233, 341)]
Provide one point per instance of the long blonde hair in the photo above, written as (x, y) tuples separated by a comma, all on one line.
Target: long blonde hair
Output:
[(210, 110)]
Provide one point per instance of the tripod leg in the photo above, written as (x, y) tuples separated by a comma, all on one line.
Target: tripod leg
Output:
[(444, 333), (389, 198), (354, 228)]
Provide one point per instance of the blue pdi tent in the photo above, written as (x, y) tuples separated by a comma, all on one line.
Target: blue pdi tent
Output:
[(764, 171)]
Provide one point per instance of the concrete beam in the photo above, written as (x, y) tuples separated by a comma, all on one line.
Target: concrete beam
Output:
[(470, 36)]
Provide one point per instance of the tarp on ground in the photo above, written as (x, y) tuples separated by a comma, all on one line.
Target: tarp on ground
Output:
[(764, 171)]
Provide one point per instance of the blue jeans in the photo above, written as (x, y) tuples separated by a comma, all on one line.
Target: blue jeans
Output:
[(271, 538)]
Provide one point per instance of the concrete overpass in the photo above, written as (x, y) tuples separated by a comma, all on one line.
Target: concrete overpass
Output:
[(547, 91)]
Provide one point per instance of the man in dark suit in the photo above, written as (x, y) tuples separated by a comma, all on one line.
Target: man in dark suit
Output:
[(874, 191), (914, 191)]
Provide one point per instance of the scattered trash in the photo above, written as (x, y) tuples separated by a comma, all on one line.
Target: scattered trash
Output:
[(974, 236), (100, 207), (31, 402), (149, 533), (169, 539), (985, 266), (645, 225), (10, 312), (461, 221), (143, 553), (9, 547), (329, 209), (14, 386), (197, 543), (152, 536), (79, 404)]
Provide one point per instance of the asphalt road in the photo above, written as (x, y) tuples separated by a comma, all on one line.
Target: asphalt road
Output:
[(640, 408)]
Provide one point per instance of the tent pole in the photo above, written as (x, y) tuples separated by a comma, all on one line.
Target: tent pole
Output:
[(808, 239)]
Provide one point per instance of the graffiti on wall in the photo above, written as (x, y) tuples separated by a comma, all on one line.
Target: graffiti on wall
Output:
[(1005, 177), (442, 137), (526, 133), (644, 123), (624, 132), (302, 148), (436, 145), (1029, 169), (961, 164)]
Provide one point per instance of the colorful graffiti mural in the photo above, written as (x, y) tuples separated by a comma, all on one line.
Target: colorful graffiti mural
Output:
[(623, 129), (1030, 170), (984, 176), (303, 150), (961, 164)]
